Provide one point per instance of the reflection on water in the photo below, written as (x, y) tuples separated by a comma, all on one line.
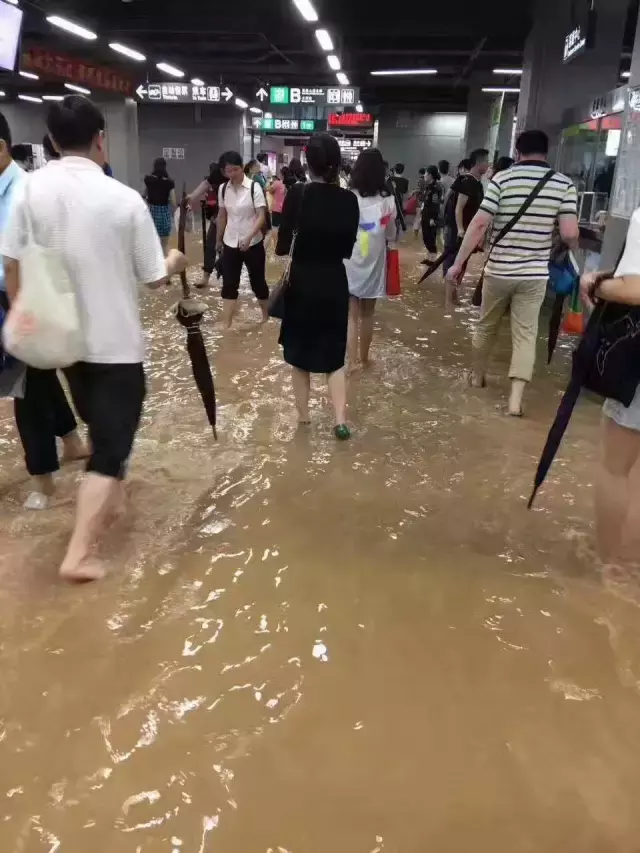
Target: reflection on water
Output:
[(311, 646)]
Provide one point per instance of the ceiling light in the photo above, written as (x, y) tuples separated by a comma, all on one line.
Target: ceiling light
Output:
[(268, 115), (197, 82), (73, 88), (513, 71), (334, 62), (324, 39), (242, 104), (397, 72), (359, 108), (625, 75), (13, 3), (506, 89), (70, 27), (255, 110), (169, 69), (28, 75), (127, 51), (306, 10), (53, 97), (1, 94), (31, 98), (342, 78)]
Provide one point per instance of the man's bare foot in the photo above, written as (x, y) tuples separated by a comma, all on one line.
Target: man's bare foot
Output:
[(87, 570), (74, 448)]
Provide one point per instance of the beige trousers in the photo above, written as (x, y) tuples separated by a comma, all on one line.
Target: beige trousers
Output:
[(525, 296)]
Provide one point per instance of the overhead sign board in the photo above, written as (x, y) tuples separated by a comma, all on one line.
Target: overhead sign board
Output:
[(75, 70), (347, 120), (183, 93), (581, 35), (297, 125), (346, 96)]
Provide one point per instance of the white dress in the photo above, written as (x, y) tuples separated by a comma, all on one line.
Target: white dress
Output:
[(367, 266)]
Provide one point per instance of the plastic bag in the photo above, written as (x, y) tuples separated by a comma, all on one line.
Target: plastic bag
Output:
[(188, 221)]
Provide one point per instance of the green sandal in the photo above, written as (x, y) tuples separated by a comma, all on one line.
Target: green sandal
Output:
[(342, 432)]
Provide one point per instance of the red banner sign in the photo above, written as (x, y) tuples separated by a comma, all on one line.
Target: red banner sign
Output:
[(76, 71), (350, 120)]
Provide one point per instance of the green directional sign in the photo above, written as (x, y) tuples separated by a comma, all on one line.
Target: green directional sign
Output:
[(277, 124), (279, 95), (307, 124)]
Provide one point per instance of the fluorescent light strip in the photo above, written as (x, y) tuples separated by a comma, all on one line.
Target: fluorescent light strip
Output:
[(73, 88), (324, 39), (625, 75), (515, 72), (506, 89), (127, 51), (197, 82), (404, 72), (2, 94), (28, 75), (169, 69), (13, 3), (70, 27), (306, 10), (256, 110), (334, 62), (240, 103), (31, 98), (53, 97), (342, 78)]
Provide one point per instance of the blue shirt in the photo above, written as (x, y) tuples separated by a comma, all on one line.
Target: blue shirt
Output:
[(9, 180)]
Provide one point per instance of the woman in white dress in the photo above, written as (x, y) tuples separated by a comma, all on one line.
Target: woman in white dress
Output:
[(367, 267)]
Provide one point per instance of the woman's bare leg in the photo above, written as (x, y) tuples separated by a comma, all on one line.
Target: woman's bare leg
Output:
[(338, 393), (619, 453), (367, 309), (301, 389), (352, 331), (164, 242)]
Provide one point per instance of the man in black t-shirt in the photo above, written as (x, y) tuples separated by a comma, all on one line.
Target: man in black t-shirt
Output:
[(399, 181), (463, 203)]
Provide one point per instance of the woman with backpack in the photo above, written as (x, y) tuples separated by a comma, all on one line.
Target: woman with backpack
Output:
[(206, 194), (160, 195)]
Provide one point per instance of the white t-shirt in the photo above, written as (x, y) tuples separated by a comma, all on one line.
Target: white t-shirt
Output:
[(108, 241), (242, 210), (630, 260)]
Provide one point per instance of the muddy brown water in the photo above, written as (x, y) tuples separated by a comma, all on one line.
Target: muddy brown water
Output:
[(306, 646)]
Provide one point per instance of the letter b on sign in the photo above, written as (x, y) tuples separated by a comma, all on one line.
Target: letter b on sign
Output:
[(295, 95)]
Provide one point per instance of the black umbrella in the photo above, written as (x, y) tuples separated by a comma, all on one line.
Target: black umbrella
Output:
[(189, 314), (449, 252)]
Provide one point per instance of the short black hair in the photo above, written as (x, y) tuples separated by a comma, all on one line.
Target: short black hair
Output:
[(532, 142), (478, 156), (250, 165), (74, 123), (324, 156), (262, 157), (5, 131), (229, 158), (443, 165), (464, 164), (21, 152), (422, 170), (502, 164), (369, 175), (399, 168), (433, 171), (50, 151)]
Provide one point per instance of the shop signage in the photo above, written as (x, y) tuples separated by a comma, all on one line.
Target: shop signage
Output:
[(183, 93), (320, 95), (581, 35), (347, 120), (298, 125), (352, 148), (75, 70)]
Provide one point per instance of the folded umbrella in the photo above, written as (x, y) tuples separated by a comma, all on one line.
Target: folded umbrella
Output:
[(554, 325)]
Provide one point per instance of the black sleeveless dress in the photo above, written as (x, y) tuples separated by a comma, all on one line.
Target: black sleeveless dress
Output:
[(316, 306)]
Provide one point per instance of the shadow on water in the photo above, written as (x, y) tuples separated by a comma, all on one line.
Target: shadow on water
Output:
[(307, 646)]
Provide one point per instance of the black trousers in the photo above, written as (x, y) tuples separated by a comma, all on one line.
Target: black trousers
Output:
[(232, 261), (41, 416), (210, 248), (429, 233)]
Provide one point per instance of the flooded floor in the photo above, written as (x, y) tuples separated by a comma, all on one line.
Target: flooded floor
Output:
[(312, 647)]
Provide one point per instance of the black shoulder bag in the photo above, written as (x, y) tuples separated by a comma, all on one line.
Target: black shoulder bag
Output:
[(279, 292), (526, 204)]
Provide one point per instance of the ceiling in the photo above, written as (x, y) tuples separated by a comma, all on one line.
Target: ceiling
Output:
[(250, 43)]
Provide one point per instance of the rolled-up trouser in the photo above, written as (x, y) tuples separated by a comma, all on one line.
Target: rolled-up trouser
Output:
[(232, 260), (429, 233), (525, 297)]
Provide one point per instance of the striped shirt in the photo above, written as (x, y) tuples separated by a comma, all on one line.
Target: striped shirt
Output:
[(524, 251)]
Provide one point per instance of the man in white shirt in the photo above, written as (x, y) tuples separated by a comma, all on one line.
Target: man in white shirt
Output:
[(241, 221), (108, 243)]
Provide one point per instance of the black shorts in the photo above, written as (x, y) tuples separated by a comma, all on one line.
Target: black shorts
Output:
[(108, 398), (276, 218)]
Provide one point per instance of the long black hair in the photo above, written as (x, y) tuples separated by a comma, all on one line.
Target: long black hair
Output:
[(160, 168), (369, 174), (324, 157), (296, 170), (433, 171)]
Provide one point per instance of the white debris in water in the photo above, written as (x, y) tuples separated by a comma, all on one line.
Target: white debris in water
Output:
[(320, 652)]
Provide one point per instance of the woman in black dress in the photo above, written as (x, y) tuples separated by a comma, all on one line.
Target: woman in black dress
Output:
[(316, 305)]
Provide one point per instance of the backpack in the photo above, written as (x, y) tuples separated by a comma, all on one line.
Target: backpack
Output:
[(267, 213), (211, 202)]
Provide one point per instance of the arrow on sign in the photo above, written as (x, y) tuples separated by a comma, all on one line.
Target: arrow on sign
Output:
[(262, 94), (227, 94), (141, 91)]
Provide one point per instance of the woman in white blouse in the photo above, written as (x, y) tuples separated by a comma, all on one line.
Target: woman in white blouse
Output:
[(367, 267)]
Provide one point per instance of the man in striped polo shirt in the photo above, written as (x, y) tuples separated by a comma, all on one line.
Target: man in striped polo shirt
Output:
[(516, 272)]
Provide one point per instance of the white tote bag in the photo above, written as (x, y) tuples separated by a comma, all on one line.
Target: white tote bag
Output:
[(43, 327)]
